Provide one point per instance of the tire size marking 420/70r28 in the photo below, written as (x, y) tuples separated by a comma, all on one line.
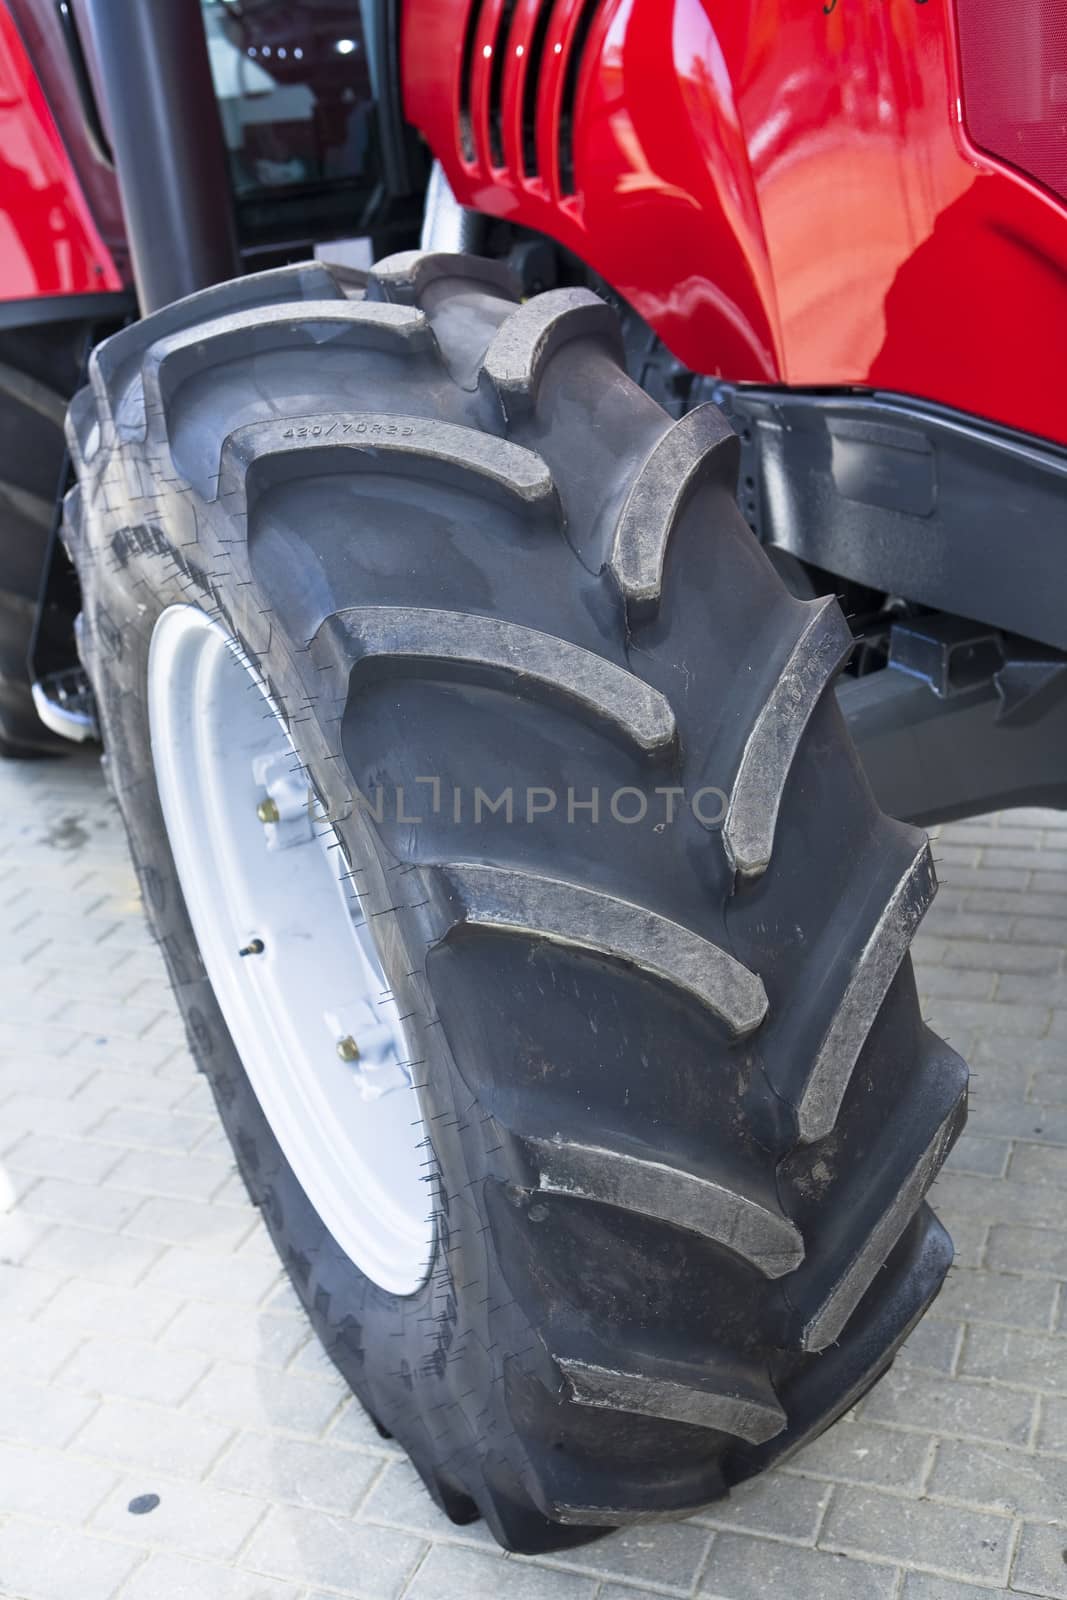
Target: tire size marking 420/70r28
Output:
[(318, 431)]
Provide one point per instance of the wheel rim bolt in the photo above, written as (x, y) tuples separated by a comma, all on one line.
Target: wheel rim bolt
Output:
[(267, 811), (347, 1048)]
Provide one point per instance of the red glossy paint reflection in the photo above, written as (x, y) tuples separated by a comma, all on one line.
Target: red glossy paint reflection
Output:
[(783, 189), (48, 241)]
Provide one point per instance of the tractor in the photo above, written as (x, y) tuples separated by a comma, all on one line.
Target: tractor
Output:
[(540, 501)]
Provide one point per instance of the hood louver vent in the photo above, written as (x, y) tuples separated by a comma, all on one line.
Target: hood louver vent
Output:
[(518, 62), (575, 58)]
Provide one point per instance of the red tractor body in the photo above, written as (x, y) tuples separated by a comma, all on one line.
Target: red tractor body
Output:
[(802, 193), (710, 446), (49, 240), (789, 192)]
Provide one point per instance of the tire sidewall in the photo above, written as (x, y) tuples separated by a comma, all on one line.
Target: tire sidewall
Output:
[(388, 1348)]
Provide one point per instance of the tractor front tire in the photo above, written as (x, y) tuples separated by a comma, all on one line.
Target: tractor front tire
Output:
[(681, 1110)]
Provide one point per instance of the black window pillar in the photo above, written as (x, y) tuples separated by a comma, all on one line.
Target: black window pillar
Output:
[(166, 134)]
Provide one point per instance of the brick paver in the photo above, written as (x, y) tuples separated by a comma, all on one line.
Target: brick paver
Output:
[(149, 1345)]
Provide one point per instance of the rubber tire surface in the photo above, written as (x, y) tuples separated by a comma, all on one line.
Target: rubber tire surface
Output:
[(683, 1110), (39, 369)]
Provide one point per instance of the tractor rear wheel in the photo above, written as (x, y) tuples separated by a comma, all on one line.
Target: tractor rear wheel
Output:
[(526, 903), (38, 372)]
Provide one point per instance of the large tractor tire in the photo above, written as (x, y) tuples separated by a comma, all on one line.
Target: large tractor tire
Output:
[(361, 562), (39, 370)]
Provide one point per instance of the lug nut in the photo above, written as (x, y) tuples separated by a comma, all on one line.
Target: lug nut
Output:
[(347, 1048), (267, 811)]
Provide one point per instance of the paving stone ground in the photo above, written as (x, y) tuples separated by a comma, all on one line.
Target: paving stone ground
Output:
[(149, 1347)]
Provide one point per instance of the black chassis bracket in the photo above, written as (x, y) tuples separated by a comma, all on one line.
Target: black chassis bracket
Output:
[(910, 498), (987, 745), (947, 512)]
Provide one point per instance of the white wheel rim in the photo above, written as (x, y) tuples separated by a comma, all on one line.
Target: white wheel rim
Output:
[(350, 1130)]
